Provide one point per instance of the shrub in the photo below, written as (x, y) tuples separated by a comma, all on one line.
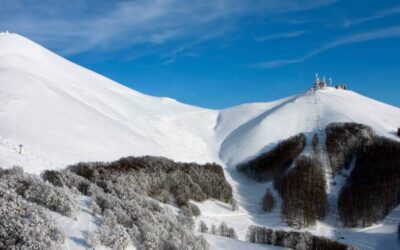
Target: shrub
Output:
[(274, 162), (268, 202), (303, 191), (343, 140), (373, 188)]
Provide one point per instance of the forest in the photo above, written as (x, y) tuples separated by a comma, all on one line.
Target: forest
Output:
[(343, 140), (373, 187), (303, 192), (370, 192), (274, 162), (158, 177), (122, 193)]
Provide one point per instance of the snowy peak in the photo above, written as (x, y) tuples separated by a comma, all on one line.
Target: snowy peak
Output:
[(304, 113)]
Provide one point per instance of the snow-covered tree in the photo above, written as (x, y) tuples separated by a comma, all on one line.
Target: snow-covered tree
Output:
[(110, 234), (203, 227), (25, 225)]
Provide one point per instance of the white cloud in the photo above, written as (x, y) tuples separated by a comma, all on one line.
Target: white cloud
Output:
[(75, 26), (291, 34), (388, 32), (379, 15)]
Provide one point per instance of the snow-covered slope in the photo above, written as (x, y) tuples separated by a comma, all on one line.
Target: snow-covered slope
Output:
[(62, 113), (66, 113), (55, 107)]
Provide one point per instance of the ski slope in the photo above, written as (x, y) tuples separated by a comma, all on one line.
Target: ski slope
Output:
[(63, 113)]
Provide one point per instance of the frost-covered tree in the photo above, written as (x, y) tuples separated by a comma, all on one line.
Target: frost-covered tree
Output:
[(158, 177), (94, 207), (235, 205), (203, 227), (34, 189), (225, 231), (213, 229), (110, 234), (57, 199), (148, 225), (25, 225)]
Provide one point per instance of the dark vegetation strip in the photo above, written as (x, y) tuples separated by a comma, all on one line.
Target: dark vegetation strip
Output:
[(274, 162), (292, 239)]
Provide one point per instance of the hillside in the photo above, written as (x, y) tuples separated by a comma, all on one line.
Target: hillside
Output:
[(62, 113)]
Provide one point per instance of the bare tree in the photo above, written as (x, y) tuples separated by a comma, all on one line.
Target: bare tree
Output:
[(268, 202)]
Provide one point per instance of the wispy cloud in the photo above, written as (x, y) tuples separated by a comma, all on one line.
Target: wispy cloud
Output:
[(291, 34), (378, 15), (388, 32), (75, 26)]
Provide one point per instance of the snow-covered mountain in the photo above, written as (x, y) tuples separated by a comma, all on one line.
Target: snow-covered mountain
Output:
[(56, 108), (62, 114)]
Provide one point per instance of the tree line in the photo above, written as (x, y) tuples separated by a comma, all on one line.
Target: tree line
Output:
[(292, 239)]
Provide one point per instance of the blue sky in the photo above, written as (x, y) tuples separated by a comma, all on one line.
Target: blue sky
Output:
[(221, 53)]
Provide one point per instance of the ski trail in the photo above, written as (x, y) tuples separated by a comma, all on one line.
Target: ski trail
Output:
[(332, 216)]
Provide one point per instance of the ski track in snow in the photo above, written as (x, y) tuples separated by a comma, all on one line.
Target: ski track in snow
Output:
[(62, 114)]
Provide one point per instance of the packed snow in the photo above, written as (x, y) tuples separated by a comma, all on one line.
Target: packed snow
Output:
[(62, 113)]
